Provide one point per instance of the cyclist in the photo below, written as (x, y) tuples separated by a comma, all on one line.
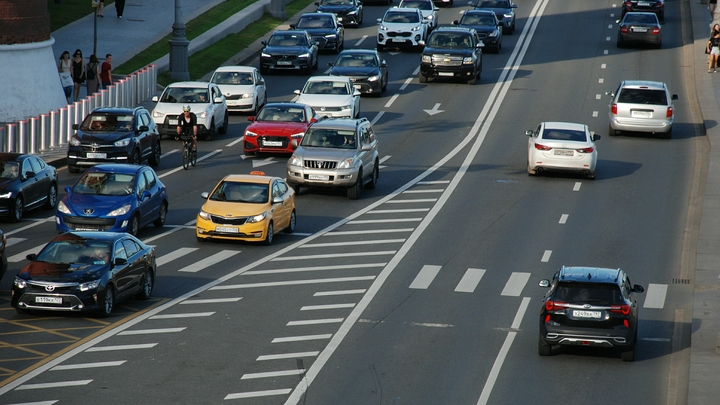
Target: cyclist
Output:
[(187, 125)]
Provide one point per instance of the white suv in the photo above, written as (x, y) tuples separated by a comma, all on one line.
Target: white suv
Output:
[(427, 8), (401, 27), (205, 100)]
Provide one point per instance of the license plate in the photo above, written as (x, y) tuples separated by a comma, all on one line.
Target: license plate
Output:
[(172, 122), (318, 177), (563, 152), (284, 62), (86, 229), (639, 29), (91, 155), (643, 4), (586, 314), (48, 300), (226, 229), (640, 114), (400, 41), (446, 74), (272, 143)]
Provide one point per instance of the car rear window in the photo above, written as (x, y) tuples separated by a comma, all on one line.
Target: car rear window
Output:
[(579, 293), (564, 135), (642, 96)]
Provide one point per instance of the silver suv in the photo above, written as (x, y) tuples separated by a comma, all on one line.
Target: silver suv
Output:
[(336, 153), (641, 106)]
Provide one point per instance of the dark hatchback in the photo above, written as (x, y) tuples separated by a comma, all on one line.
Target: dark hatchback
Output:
[(487, 26), (637, 27), (85, 271), (503, 9), (452, 52), (26, 182), (348, 12), (366, 69), (324, 29), (592, 307), (653, 6), (114, 135), (289, 50)]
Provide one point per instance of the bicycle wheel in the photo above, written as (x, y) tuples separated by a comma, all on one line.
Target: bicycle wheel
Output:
[(193, 157), (186, 157)]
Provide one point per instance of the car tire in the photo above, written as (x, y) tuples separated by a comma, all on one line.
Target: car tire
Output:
[(353, 192), (293, 221), (628, 354), (22, 311), (668, 134), (135, 157), (18, 207), (473, 80), (160, 221), (146, 286), (380, 47), (620, 44), (591, 176), (544, 349), (211, 131), (224, 128), (423, 78), (134, 227), (73, 169), (374, 177), (611, 131), (270, 234), (106, 301), (51, 200), (659, 45), (154, 159)]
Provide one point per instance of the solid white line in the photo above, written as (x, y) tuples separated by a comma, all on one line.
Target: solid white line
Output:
[(364, 37), (199, 159), (433, 182), (315, 268), (655, 296), (235, 142), (399, 211), (369, 231), (353, 243), (426, 276), (430, 325), (546, 256), (211, 301), (416, 71), (418, 200), (577, 185), (174, 255), (173, 230), (382, 221), (60, 384), (34, 224), (186, 315), (385, 158), (515, 284), (286, 356), (151, 331), (407, 82), (315, 321), (339, 292), (563, 218), (121, 347), (327, 306), (301, 338), (13, 241), (267, 374), (377, 117), (334, 255), (209, 261), (439, 190), (88, 365), (255, 394), (470, 280), (37, 403), (392, 100), (293, 282), (22, 256)]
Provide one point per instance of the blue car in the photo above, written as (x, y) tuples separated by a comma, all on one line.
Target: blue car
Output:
[(114, 198)]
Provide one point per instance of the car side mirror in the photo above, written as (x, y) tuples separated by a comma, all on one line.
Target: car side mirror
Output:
[(68, 188), (251, 118), (204, 195), (155, 99), (366, 147), (119, 261), (455, 22), (379, 20), (294, 144), (313, 120), (292, 26), (144, 128), (480, 44), (383, 63), (218, 100), (330, 64), (296, 92), (421, 42), (675, 97), (595, 137), (544, 283), (356, 92), (513, 6), (638, 288), (263, 42), (28, 175), (277, 200), (31, 256), (75, 126), (529, 132), (145, 195)]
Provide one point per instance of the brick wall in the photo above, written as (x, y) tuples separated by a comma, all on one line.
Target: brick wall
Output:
[(24, 21)]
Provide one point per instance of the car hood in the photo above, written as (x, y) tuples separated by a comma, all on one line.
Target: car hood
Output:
[(313, 152), (400, 26), (325, 100), (89, 137), (285, 50), (62, 272), (354, 71), (446, 51), (277, 128), (101, 205), (5, 183), (230, 89), (480, 28), (319, 31), (233, 209), (176, 108), (344, 8)]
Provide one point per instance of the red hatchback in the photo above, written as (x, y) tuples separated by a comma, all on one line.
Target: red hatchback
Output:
[(276, 125)]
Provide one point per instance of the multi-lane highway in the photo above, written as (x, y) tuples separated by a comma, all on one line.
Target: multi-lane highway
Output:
[(423, 291)]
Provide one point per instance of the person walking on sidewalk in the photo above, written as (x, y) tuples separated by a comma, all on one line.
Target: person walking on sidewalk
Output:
[(106, 72), (100, 9), (78, 72), (92, 73), (65, 75), (713, 46), (120, 7), (712, 4)]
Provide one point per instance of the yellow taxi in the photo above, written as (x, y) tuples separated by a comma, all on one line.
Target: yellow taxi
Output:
[(248, 207)]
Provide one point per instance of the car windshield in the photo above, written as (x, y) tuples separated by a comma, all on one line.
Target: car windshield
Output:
[(642, 96), (326, 87), (632, 18), (10, 170), (495, 4), (237, 78), (401, 17), (85, 251), (99, 183), (185, 95), (336, 2), (330, 138), (420, 4), (449, 40), (288, 40), (356, 61), (281, 114), (578, 293), (484, 20), (564, 135), (233, 191), (315, 22), (104, 122)]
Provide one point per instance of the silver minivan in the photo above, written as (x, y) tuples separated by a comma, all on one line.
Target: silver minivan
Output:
[(641, 106)]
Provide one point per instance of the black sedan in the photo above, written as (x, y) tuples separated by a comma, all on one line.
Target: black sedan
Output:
[(638, 27), (503, 9), (85, 271), (348, 12), (654, 6), (365, 67), (487, 26), (324, 29), (289, 50), (26, 182), (114, 135)]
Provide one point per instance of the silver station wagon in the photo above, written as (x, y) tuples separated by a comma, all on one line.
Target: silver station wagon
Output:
[(641, 106)]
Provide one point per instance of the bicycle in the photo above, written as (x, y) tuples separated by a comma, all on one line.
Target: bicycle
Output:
[(189, 156)]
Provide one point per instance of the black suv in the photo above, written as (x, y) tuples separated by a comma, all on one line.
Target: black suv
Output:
[(348, 12), (114, 135), (453, 52), (289, 50), (589, 306), (324, 29)]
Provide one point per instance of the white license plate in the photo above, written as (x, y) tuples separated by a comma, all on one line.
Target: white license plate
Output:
[(226, 229), (272, 143), (446, 74), (643, 4), (639, 29), (563, 152), (399, 40), (172, 122), (587, 314), (318, 177), (284, 62), (91, 155), (640, 114), (48, 300), (87, 229)]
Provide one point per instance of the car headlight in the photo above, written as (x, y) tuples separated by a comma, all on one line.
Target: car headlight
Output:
[(120, 211), (468, 60), (20, 283), (295, 161), (122, 142), (429, 17), (345, 164), (204, 215), (247, 95), (157, 114), (304, 55), (74, 141), (203, 114), (257, 218), (297, 136), (427, 58), (63, 208), (373, 78), (330, 36), (383, 28), (250, 134), (507, 15), (90, 285), (265, 55), (418, 28), (493, 34), (352, 12), (6, 195), (345, 107)]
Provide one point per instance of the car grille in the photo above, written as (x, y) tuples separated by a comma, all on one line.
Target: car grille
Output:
[(233, 97), (263, 139), (284, 57), (319, 164), (80, 223), (228, 221), (321, 40), (359, 80), (482, 35), (399, 34), (446, 60), (327, 108)]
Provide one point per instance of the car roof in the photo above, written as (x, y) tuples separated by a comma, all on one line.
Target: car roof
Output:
[(339, 123), (637, 84), (469, 30), (318, 13), (236, 69), (407, 9), (189, 84), (101, 236), (580, 274), (116, 110), (480, 11), (359, 51), (291, 32), (564, 125), (328, 78), (116, 168), (249, 178)]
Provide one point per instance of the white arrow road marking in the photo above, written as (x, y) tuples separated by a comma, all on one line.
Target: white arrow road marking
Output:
[(260, 163), (434, 110)]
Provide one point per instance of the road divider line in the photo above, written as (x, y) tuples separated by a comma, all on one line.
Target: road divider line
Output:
[(470, 280), (360, 41), (235, 142), (200, 159), (408, 81), (184, 315), (211, 301), (257, 394), (151, 331), (60, 384), (655, 296), (563, 219), (425, 277), (546, 256), (315, 268), (377, 117), (293, 282)]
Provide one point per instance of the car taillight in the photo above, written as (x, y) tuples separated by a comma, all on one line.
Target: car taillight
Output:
[(585, 150), (613, 109), (542, 147), (551, 305), (623, 309), (626, 323), (669, 112), (624, 29), (656, 31)]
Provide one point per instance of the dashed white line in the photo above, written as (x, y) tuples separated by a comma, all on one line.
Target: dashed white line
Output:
[(470, 280), (315, 322), (88, 365), (515, 284), (546, 256), (301, 338), (426, 275), (360, 41), (326, 306), (59, 384), (269, 374), (339, 292), (655, 296), (121, 347), (184, 315), (563, 219), (594, 114), (286, 356), (577, 185), (294, 282), (407, 82), (392, 100)]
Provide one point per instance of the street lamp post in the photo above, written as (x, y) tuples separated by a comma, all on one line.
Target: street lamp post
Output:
[(178, 48)]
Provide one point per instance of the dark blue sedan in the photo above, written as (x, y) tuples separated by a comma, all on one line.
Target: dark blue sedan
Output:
[(115, 198)]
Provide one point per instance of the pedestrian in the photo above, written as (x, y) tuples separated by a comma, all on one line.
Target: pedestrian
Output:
[(713, 46), (65, 76), (100, 9), (106, 72), (120, 7), (77, 67), (712, 4), (93, 75)]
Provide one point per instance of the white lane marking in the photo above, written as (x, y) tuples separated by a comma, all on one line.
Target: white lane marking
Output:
[(515, 284), (603, 66), (88, 365), (377, 117), (352, 243), (14, 241), (594, 113), (605, 52), (360, 41), (326, 306), (470, 280), (211, 301), (270, 374), (546, 256), (334, 255), (186, 315), (607, 38), (434, 110), (256, 394), (294, 282), (315, 268), (166, 233), (235, 142), (369, 231), (426, 276), (416, 71), (301, 338), (385, 158), (392, 100), (170, 152), (315, 322), (433, 182), (22, 255), (174, 255), (598, 97), (576, 186), (431, 325), (407, 81), (420, 191), (612, 14), (563, 219), (417, 200), (209, 261), (121, 347), (286, 356), (151, 331), (655, 296), (199, 159), (500, 359), (261, 163), (610, 26), (38, 403), (60, 384), (339, 292), (34, 224), (404, 210), (601, 80)]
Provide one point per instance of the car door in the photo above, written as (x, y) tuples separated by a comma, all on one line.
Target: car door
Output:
[(259, 88), (367, 157), (150, 206), (143, 203), (137, 263), (218, 110), (121, 272), (141, 137), (43, 179), (355, 98), (29, 184)]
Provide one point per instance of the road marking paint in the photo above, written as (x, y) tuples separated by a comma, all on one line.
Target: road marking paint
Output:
[(605, 52), (612, 14), (563, 218), (34, 224), (256, 394), (546, 256), (577, 185), (174, 255), (433, 182), (408, 81), (301, 338), (327, 306), (607, 38), (151, 331), (598, 97), (382, 221), (515, 284), (286, 356), (470, 280), (211, 301), (186, 315), (315, 268), (392, 100), (377, 117), (166, 233), (352, 243), (170, 152), (369, 231), (655, 296), (594, 113), (14, 241), (435, 190), (209, 261), (426, 275), (339, 292), (603, 66), (121, 347), (22, 255), (59, 384), (199, 159), (385, 158), (610, 25), (235, 142), (294, 282), (87, 365), (315, 321), (334, 255), (601, 80), (269, 374), (399, 211), (38, 403), (360, 41)]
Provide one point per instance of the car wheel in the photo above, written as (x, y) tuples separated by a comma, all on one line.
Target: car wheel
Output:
[(17, 209), (659, 45), (270, 234), (530, 171), (211, 131), (106, 301), (611, 131), (160, 221), (591, 176), (353, 192), (668, 134), (374, 177), (293, 220), (224, 128), (380, 47), (295, 187), (135, 158), (544, 349), (473, 80), (154, 159), (628, 354), (423, 79), (51, 200), (73, 169), (134, 227), (146, 286), (619, 43)]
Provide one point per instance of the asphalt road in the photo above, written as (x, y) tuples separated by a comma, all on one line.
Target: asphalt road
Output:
[(424, 290)]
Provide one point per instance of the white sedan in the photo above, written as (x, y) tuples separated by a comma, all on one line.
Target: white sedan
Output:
[(205, 100), (331, 96), (563, 147), (242, 86)]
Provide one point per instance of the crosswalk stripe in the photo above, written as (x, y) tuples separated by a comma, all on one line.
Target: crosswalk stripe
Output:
[(174, 255), (256, 394), (267, 374), (369, 231), (353, 243), (418, 200), (53, 385), (326, 306), (383, 221), (14, 241), (121, 347), (546, 256), (315, 322), (293, 282), (655, 296), (21, 256), (88, 365), (209, 261), (286, 356), (425, 277), (301, 338), (470, 280), (333, 255), (315, 268), (515, 284)]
